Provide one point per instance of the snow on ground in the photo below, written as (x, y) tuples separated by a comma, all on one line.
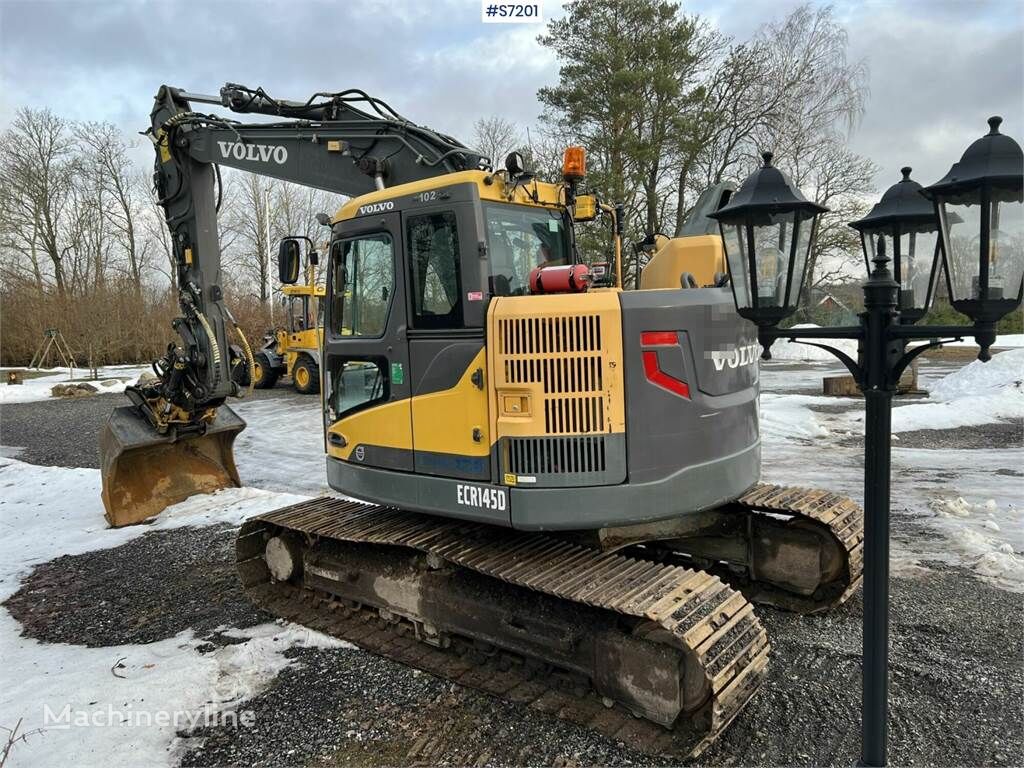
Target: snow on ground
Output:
[(283, 445), (790, 416), (972, 498), (49, 511), (161, 687), (112, 379)]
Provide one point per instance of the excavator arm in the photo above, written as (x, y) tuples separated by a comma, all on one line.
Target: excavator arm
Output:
[(175, 439)]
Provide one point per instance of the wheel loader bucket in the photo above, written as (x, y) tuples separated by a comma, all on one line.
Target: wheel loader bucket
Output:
[(144, 472)]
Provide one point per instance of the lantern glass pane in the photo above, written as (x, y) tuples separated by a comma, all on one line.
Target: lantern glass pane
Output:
[(803, 247), (773, 238), (735, 240), (1006, 249), (916, 253), (963, 225)]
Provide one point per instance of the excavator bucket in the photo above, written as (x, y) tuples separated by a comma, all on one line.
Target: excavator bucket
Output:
[(144, 472)]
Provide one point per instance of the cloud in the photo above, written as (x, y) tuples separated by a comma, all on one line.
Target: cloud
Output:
[(939, 68), (434, 62)]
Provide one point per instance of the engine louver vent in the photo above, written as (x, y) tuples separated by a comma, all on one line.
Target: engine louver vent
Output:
[(558, 455)]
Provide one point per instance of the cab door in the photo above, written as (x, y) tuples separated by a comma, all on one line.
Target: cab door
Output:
[(446, 340), (367, 393)]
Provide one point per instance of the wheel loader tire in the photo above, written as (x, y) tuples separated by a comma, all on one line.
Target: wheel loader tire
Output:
[(306, 376), (266, 374)]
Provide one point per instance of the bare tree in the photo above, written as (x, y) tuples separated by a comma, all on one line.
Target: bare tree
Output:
[(108, 157), (155, 236), (246, 221), (37, 169), (495, 137)]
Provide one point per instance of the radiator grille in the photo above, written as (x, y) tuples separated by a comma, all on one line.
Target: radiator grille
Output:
[(550, 335), (533, 456), (573, 415), (564, 356), (558, 375)]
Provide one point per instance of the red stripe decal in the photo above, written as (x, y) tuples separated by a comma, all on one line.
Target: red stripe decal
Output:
[(661, 379), (659, 338)]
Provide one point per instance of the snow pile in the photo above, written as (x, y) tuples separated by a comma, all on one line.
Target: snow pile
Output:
[(1004, 371), (88, 713), (978, 393), (112, 380), (783, 349), (789, 416), (979, 532)]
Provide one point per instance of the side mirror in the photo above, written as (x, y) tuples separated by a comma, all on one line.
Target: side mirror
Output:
[(289, 260)]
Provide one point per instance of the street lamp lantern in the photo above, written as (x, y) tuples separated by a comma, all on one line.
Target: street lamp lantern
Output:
[(980, 205), (768, 229), (976, 220), (905, 221)]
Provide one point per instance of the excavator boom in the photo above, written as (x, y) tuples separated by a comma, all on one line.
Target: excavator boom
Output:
[(176, 438)]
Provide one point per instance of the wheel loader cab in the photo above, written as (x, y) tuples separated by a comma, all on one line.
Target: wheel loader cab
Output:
[(450, 389)]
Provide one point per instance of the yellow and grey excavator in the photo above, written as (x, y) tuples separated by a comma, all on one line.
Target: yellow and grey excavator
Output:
[(558, 480)]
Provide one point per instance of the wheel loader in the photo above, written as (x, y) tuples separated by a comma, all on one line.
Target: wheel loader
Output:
[(293, 350), (546, 489)]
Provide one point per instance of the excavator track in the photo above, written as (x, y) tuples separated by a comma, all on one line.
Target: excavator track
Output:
[(799, 549), (835, 517), (658, 656)]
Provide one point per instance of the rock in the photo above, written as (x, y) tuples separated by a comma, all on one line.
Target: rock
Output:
[(73, 390)]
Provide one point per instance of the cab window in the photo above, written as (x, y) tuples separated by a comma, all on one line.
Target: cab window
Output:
[(519, 239), (362, 285), (433, 242)]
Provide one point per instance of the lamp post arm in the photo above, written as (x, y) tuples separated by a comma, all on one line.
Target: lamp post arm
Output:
[(900, 365), (827, 332), (957, 332), (768, 335)]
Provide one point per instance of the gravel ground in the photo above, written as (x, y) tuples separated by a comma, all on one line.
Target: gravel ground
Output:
[(956, 687), (1005, 434)]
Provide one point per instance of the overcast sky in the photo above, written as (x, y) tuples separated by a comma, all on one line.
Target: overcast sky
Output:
[(938, 68)]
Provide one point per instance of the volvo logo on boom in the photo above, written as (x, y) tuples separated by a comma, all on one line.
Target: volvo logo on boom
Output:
[(387, 205), (734, 358), (257, 153)]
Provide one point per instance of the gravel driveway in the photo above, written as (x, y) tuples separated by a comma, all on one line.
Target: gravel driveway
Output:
[(956, 689)]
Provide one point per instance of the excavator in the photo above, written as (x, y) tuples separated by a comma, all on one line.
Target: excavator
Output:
[(548, 486)]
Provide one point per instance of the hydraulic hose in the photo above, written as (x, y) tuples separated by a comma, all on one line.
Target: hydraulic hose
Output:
[(248, 356), (214, 346)]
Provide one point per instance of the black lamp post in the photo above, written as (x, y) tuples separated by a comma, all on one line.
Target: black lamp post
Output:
[(981, 238)]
